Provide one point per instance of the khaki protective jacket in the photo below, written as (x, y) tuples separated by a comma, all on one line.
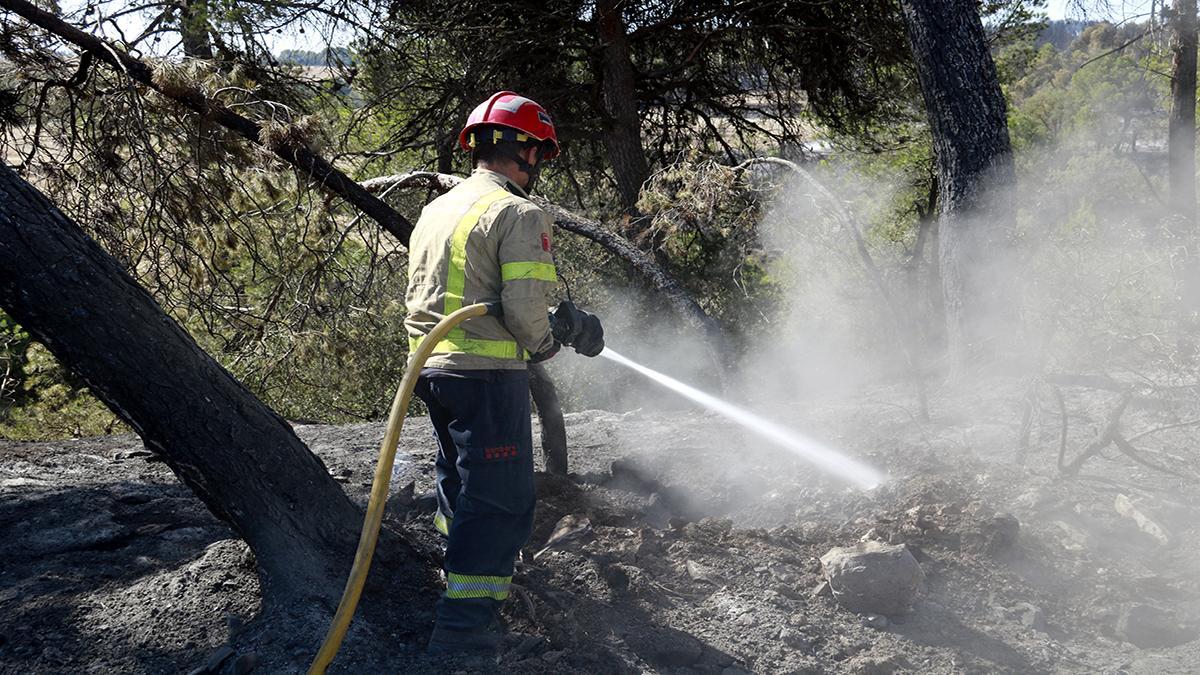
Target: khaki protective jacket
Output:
[(483, 241)]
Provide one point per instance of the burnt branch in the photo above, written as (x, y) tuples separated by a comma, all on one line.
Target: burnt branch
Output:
[(287, 147), (1104, 439)]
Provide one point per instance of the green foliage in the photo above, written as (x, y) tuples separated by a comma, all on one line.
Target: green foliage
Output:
[(703, 221), (1104, 91), (1088, 124), (39, 399)]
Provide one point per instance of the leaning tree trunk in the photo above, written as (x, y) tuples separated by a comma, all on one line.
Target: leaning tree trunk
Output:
[(1181, 152), (966, 114), (236, 454), (623, 126)]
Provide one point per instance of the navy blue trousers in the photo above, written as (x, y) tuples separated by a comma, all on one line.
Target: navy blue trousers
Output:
[(484, 485)]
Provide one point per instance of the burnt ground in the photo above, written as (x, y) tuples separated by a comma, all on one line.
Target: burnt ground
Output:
[(687, 546)]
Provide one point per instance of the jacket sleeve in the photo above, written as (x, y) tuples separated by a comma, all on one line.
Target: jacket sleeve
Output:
[(527, 276)]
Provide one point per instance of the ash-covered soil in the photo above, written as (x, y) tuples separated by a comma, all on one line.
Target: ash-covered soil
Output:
[(681, 544)]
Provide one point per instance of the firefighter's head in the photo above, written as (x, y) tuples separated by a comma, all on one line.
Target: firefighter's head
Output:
[(510, 128)]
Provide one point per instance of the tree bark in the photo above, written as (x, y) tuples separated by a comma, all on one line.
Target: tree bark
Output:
[(623, 125), (286, 146), (237, 455), (1181, 147), (966, 112), (1181, 154)]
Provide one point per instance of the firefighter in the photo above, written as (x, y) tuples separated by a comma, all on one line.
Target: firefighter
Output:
[(485, 241)]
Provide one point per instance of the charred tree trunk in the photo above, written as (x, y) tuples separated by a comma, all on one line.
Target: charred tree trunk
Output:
[(236, 454), (554, 429), (1181, 153), (1181, 147), (966, 112), (623, 128)]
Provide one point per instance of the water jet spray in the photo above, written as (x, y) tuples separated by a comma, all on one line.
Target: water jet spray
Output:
[(828, 459)]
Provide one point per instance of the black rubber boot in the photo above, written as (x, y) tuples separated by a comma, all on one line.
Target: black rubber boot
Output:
[(482, 642)]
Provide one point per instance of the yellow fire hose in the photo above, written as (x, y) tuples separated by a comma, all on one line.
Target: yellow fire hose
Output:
[(383, 477)]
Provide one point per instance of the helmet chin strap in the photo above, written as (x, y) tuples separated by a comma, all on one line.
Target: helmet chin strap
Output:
[(532, 170)]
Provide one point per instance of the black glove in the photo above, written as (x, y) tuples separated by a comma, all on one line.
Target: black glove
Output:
[(576, 328), (546, 355), (590, 341)]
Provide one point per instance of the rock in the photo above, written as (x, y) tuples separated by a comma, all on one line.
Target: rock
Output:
[(1145, 523), (747, 619), (873, 577), (999, 533), (570, 529), (1029, 615), (700, 572), (1149, 627), (649, 544), (554, 656), (405, 495), (426, 503), (1071, 537), (822, 589), (876, 621), (795, 639), (341, 475)]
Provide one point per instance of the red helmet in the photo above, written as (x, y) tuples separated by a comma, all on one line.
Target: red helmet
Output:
[(511, 110)]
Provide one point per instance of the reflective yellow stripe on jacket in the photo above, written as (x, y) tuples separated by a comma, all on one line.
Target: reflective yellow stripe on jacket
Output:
[(528, 270), (456, 341)]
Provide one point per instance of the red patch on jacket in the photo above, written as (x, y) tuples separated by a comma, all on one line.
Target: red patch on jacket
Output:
[(546, 242)]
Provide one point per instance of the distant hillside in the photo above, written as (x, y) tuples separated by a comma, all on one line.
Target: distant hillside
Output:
[(322, 57), (1062, 32)]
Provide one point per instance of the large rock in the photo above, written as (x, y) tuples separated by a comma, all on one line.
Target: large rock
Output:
[(1149, 627), (873, 578)]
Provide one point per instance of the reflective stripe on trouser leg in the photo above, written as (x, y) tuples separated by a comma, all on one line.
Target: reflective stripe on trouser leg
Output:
[(460, 586)]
